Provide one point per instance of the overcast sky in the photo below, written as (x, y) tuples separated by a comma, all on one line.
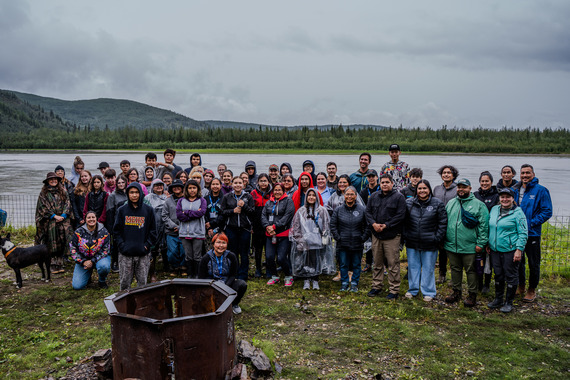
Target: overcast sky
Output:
[(423, 63)]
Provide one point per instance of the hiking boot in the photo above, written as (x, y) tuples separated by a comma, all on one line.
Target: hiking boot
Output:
[(103, 285), (374, 292), (530, 295), (471, 300), (315, 285), (307, 285), (288, 281), (392, 296), (453, 297), (507, 307), (257, 274)]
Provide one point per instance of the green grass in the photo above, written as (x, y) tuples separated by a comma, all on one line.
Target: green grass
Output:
[(312, 334)]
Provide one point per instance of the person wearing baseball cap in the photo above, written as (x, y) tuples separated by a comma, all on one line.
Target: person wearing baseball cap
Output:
[(103, 166), (508, 235), (467, 234), (399, 170)]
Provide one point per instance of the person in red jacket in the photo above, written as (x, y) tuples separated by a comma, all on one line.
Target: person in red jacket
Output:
[(305, 183)]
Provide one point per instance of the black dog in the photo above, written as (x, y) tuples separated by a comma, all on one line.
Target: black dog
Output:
[(18, 258)]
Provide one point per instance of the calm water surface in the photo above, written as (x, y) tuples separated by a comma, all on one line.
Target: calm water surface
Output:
[(23, 172)]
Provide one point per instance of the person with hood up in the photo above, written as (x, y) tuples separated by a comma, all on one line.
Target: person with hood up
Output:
[(90, 248), (175, 250), (115, 200), (190, 210), (156, 198), (260, 196), (195, 160), (311, 244), (288, 182), (251, 170), (285, 168), (309, 167), (305, 183), (135, 233), (76, 169)]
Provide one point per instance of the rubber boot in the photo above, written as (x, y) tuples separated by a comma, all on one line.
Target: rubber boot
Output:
[(499, 291), (508, 306)]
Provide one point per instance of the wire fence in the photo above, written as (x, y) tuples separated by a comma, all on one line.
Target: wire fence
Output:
[(555, 242)]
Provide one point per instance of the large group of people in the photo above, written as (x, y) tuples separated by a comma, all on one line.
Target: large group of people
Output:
[(207, 223)]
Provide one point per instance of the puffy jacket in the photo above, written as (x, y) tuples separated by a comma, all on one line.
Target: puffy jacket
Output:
[(191, 217), (536, 205), (388, 209), (445, 194), (337, 199), (96, 201), (508, 232), (425, 223), (241, 220), (282, 210), (349, 227), (460, 239), (86, 245), (135, 227), (489, 197)]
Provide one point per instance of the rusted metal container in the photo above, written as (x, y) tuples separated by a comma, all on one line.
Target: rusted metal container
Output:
[(173, 329)]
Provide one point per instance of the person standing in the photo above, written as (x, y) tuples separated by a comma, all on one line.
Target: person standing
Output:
[(445, 192), (424, 231), (416, 175), (508, 234), (508, 178), (358, 178), (332, 178), (535, 202), (251, 170), (385, 212), (134, 233), (260, 196), (467, 234), (399, 170), (372, 187), (175, 250)]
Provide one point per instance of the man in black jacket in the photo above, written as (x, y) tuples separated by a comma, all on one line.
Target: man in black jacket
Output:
[(134, 232), (385, 212)]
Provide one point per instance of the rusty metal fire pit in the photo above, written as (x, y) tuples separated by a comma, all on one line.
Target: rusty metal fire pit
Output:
[(173, 329)]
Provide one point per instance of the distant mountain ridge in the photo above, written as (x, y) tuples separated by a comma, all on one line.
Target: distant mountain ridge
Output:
[(114, 114)]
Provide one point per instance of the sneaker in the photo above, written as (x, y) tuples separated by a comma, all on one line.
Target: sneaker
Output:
[(392, 296), (307, 285), (337, 277), (115, 267), (367, 268), (103, 285), (288, 281), (273, 281), (354, 288), (409, 295), (373, 292), (428, 298), (236, 309), (344, 287), (315, 285)]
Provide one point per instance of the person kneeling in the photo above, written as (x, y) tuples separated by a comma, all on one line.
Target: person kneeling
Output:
[(90, 247), (221, 265)]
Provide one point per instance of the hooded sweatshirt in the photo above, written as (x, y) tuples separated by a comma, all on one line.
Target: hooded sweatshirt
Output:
[(299, 196), (135, 226), (313, 174), (252, 178), (287, 165)]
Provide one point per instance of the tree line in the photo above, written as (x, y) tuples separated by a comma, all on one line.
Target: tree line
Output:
[(477, 140)]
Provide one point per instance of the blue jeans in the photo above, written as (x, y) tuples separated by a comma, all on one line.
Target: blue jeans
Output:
[(239, 244), (281, 250), (175, 251), (81, 275), (421, 271), (349, 260)]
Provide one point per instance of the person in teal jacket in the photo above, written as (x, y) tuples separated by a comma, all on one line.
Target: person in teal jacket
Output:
[(508, 234), (463, 240)]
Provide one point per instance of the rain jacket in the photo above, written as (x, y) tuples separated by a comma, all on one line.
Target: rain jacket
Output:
[(507, 232), (536, 205), (298, 196), (460, 239)]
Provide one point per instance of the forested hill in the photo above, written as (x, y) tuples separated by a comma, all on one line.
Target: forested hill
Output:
[(17, 115), (110, 113)]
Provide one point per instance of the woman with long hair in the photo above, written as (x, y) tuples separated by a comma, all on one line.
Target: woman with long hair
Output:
[(53, 220), (182, 176), (227, 182), (133, 176), (96, 199), (260, 196), (322, 187), (78, 197), (115, 200)]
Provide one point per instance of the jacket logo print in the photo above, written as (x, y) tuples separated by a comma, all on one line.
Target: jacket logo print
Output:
[(135, 221)]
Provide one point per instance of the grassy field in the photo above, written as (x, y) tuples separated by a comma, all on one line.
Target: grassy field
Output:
[(45, 329)]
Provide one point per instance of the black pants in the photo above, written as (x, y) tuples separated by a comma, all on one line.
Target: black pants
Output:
[(505, 268), (258, 241), (442, 262), (532, 251), (240, 286)]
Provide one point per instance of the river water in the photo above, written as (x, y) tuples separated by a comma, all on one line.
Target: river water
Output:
[(23, 172)]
